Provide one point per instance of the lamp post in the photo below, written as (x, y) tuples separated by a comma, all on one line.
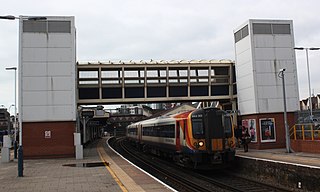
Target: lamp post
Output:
[(9, 121), (15, 110), (281, 75), (21, 18), (308, 68)]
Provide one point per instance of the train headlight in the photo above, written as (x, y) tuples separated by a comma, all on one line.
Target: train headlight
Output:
[(200, 143)]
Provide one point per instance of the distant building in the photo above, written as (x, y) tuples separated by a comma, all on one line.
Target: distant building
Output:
[(4, 119), (304, 103)]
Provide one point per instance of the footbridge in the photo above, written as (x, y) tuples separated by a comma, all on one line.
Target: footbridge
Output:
[(155, 81)]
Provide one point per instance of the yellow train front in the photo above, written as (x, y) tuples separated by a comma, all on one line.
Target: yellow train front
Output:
[(206, 140), (200, 139)]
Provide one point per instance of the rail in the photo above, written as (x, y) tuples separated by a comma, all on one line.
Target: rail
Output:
[(306, 131)]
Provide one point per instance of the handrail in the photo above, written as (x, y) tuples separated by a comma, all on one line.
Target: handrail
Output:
[(307, 131)]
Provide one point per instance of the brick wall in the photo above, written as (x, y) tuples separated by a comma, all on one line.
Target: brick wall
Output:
[(305, 146), (280, 141), (48, 139)]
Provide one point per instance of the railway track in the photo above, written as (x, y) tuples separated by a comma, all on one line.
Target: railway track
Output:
[(188, 180), (161, 172)]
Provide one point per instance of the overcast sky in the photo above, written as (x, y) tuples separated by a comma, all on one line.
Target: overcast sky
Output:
[(161, 30)]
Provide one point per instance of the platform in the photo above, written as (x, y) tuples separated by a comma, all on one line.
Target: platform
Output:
[(310, 160), (54, 175)]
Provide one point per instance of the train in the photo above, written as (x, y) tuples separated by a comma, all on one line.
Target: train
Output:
[(198, 139)]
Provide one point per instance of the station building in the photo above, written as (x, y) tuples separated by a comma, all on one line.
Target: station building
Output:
[(48, 83)]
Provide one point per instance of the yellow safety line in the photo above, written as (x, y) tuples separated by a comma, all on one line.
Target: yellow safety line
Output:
[(114, 176)]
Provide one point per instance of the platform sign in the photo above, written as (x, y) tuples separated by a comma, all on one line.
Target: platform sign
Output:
[(47, 134)]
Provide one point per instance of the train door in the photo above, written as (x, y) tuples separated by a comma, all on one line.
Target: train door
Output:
[(178, 145), (139, 126), (183, 126)]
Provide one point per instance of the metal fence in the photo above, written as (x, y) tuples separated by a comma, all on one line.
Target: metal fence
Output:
[(306, 131)]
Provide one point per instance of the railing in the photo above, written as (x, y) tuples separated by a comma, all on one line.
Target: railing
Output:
[(305, 132)]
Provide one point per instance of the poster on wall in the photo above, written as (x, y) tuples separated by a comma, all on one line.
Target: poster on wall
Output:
[(250, 124), (268, 131)]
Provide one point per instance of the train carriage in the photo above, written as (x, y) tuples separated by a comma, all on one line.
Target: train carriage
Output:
[(200, 138)]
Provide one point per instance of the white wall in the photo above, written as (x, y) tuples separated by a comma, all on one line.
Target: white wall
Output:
[(48, 74), (259, 58)]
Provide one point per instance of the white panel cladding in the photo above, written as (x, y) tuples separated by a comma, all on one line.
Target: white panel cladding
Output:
[(40, 69), (34, 55), (41, 98), (34, 98), (270, 105), (284, 53), (269, 92), (292, 105), (48, 113), (283, 41), (244, 70), (245, 82), (243, 45), (267, 79), (244, 74), (60, 69), (263, 41), (34, 69), (47, 54), (247, 107), (59, 97), (44, 40), (35, 40), (272, 79), (272, 41), (34, 84), (60, 54), (268, 54), (245, 58), (264, 54), (48, 64), (59, 83), (275, 66), (247, 94)]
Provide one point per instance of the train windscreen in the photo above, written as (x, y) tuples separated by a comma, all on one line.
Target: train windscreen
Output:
[(197, 128)]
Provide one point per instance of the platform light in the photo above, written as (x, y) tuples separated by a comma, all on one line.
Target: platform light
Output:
[(281, 75)]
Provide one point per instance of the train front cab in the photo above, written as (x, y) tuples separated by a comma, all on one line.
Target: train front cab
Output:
[(211, 130)]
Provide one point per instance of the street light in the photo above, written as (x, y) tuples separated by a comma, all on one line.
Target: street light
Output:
[(21, 18), (9, 122), (15, 109), (311, 48), (281, 75)]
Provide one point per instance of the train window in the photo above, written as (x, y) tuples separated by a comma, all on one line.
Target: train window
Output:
[(147, 131), (132, 131), (159, 131), (197, 128)]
